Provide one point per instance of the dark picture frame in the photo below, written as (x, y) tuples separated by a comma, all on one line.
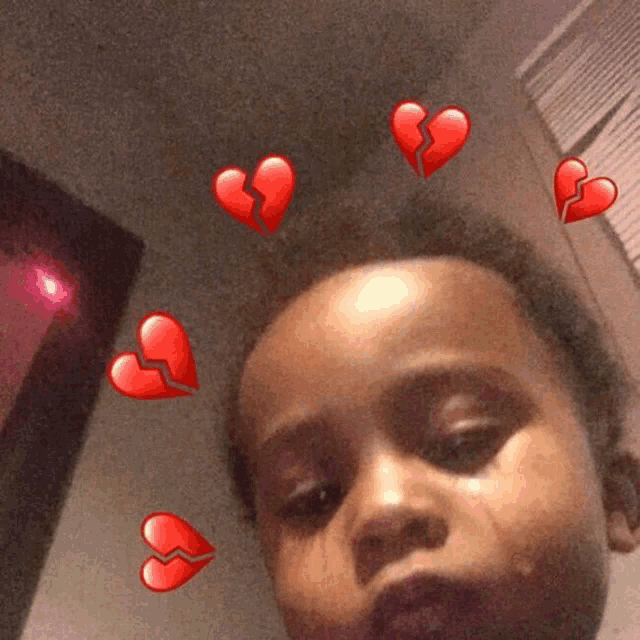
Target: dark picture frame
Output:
[(45, 430)]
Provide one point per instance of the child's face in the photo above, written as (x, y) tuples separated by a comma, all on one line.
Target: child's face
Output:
[(380, 368)]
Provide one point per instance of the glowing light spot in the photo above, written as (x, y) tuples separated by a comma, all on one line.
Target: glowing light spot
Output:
[(50, 288), (49, 285), (381, 292), (391, 497), (381, 296), (474, 485)]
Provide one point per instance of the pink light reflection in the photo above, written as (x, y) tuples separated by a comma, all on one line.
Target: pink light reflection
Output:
[(44, 287), (49, 287)]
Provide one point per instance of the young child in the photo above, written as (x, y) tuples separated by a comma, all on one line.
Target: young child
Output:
[(425, 429)]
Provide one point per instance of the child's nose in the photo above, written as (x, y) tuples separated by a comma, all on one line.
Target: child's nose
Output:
[(398, 512)]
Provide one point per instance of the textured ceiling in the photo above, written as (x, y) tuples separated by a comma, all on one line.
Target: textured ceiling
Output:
[(306, 79)]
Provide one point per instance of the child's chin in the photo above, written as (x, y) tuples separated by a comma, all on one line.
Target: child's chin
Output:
[(428, 621)]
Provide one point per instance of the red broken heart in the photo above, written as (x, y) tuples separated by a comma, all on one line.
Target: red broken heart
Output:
[(597, 195), (405, 127), (163, 340), (166, 533), (274, 179), (165, 576), (447, 133)]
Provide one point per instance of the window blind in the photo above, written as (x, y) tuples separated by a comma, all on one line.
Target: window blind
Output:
[(584, 79)]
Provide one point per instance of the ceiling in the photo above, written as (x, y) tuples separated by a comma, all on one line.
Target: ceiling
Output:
[(228, 82)]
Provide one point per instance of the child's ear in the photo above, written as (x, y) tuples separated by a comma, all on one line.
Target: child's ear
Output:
[(622, 503)]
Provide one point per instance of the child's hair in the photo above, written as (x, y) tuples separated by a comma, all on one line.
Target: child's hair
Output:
[(302, 257)]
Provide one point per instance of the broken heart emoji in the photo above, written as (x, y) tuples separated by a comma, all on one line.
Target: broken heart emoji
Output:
[(267, 197), (444, 136), (163, 341), (165, 576), (166, 533), (405, 122), (595, 196)]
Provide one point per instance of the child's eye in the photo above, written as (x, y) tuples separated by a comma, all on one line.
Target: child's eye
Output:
[(467, 450), (314, 503)]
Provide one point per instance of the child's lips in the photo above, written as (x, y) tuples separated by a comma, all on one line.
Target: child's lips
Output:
[(419, 604)]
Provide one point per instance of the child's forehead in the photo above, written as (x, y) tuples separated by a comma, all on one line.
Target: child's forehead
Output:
[(374, 290), (358, 329), (436, 266)]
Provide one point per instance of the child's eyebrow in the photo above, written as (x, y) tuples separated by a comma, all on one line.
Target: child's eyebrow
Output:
[(293, 434), (456, 375)]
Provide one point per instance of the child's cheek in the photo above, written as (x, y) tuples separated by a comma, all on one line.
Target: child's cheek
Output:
[(538, 489), (311, 580)]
